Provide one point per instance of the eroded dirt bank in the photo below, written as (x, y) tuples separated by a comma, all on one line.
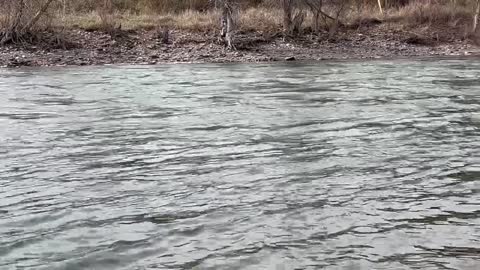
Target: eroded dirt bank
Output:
[(80, 47)]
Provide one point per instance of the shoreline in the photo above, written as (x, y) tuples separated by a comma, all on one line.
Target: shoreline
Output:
[(78, 47), (302, 61)]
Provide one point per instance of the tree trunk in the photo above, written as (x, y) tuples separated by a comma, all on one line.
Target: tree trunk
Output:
[(315, 7), (287, 16), (230, 32), (475, 17), (316, 22), (228, 24), (380, 6)]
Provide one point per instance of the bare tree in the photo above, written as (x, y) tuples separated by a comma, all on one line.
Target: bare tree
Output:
[(475, 17), (293, 17), (380, 6), (37, 16), (229, 22), (316, 8), (287, 6), (17, 27)]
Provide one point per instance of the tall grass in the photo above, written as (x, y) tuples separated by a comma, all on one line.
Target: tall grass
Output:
[(200, 15), (152, 6), (423, 12)]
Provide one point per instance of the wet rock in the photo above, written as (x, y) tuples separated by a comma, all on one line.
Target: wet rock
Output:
[(290, 58)]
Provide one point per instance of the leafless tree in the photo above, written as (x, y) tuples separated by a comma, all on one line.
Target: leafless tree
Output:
[(316, 8), (475, 17), (17, 27), (228, 22), (293, 17), (380, 6), (287, 6)]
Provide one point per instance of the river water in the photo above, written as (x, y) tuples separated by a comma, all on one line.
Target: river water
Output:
[(336, 165)]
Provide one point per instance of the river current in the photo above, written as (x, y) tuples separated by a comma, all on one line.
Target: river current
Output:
[(335, 165)]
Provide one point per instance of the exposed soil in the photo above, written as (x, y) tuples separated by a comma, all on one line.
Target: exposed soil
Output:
[(80, 47)]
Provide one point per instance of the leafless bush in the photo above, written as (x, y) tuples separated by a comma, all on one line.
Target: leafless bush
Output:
[(20, 17), (106, 13), (328, 13)]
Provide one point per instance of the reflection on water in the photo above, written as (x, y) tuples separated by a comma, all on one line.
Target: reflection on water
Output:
[(371, 165)]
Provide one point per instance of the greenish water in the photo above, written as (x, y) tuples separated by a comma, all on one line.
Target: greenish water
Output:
[(340, 165)]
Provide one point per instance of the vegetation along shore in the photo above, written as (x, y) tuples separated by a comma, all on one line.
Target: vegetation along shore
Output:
[(91, 32)]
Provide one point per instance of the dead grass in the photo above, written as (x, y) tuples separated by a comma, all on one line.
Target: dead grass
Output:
[(262, 19), (421, 13), (188, 20), (363, 16), (197, 21), (250, 20)]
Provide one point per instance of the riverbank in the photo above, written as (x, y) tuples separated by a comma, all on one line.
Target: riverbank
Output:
[(93, 47)]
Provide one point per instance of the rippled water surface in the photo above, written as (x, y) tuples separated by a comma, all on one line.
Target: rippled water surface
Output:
[(372, 165)]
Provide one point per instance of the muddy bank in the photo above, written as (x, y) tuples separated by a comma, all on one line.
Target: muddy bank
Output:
[(80, 47)]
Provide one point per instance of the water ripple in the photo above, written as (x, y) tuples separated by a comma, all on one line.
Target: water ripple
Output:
[(367, 165)]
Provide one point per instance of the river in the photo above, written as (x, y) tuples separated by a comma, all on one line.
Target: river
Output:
[(334, 165)]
